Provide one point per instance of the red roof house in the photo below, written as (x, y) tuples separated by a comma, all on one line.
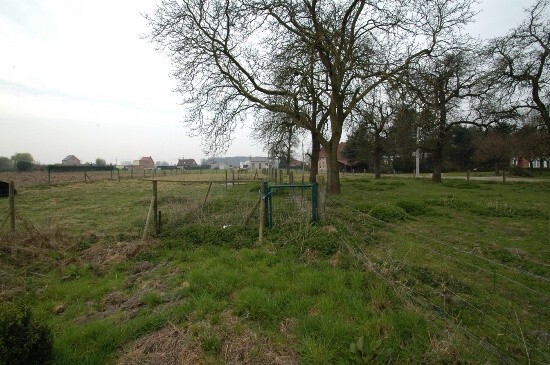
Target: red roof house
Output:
[(147, 163)]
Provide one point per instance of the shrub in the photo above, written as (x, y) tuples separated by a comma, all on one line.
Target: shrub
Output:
[(22, 339), (388, 213), (322, 242), (23, 165), (518, 171)]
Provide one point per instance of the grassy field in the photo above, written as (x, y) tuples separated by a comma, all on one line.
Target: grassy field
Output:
[(401, 271)]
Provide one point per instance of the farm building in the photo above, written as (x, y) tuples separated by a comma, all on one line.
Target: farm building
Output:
[(185, 163), (343, 163), (70, 160)]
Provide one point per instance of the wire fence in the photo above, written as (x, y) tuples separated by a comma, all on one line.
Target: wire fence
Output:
[(34, 178), (500, 309)]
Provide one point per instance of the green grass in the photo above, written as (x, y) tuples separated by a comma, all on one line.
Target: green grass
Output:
[(405, 270)]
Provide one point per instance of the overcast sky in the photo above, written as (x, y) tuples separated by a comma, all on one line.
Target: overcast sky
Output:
[(76, 78)]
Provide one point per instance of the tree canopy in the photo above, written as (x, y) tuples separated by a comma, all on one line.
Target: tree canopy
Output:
[(228, 58)]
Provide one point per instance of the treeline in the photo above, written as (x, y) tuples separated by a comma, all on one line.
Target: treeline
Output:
[(496, 147)]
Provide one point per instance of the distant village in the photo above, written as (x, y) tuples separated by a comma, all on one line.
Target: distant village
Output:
[(223, 163)]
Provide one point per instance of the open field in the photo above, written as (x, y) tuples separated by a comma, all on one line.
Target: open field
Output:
[(407, 271), (41, 177)]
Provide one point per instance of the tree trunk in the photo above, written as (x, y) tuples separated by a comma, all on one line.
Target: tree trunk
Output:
[(333, 172), (377, 156), (377, 165), (440, 142), (289, 150), (497, 167), (315, 149), (437, 157)]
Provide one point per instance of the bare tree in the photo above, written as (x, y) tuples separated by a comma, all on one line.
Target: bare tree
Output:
[(446, 85), (375, 114), (497, 146), (520, 63), (279, 134), (223, 54)]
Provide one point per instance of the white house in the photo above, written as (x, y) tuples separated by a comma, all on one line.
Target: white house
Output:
[(259, 164), (219, 166)]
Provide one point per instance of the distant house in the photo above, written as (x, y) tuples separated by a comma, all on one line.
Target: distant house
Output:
[(219, 166), (520, 162), (186, 163), (259, 164), (70, 160), (343, 163), (525, 163), (146, 163), (296, 164)]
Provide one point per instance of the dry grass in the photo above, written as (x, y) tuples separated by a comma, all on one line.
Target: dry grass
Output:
[(24, 253), (103, 256), (238, 344)]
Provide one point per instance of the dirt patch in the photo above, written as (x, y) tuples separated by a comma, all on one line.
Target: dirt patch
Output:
[(237, 344)]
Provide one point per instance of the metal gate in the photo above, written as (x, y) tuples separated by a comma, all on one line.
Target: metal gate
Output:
[(296, 194)]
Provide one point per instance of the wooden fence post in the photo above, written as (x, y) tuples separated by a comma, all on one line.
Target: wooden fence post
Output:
[(12, 205), (118, 173), (160, 222), (148, 220), (468, 175), (155, 207), (49, 176), (226, 180), (252, 212), (503, 176), (207, 194), (233, 176)]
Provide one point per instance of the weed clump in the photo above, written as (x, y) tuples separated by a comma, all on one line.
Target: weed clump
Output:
[(462, 184), (413, 208), (202, 234), (22, 339)]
